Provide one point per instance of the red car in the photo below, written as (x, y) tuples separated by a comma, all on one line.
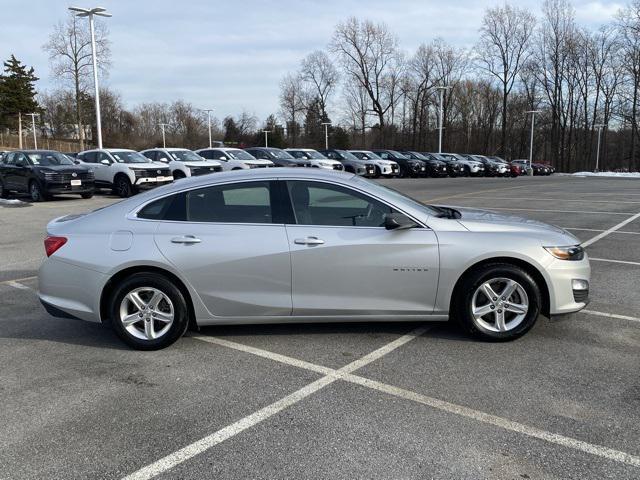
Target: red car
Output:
[(514, 170)]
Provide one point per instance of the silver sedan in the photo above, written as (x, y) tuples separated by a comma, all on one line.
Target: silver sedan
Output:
[(303, 245)]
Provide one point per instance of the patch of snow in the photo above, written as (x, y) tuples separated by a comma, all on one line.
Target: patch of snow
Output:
[(12, 202), (608, 174)]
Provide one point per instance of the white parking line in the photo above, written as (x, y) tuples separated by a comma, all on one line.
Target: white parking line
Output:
[(599, 230), (460, 410), (9, 282), (611, 230), (626, 262), (18, 285), (173, 459), (558, 211), (536, 199), (611, 315)]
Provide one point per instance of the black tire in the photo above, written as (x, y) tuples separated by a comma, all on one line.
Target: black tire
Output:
[(87, 195), (36, 192), (122, 186), (178, 174), (377, 173), (461, 304), (4, 193), (467, 171), (156, 281)]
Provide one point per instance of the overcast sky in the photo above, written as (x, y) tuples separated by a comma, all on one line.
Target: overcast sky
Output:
[(230, 56)]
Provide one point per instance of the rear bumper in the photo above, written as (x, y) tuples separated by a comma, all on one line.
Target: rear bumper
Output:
[(69, 291)]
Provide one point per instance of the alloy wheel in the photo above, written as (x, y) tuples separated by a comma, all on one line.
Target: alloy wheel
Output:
[(499, 305), (146, 313)]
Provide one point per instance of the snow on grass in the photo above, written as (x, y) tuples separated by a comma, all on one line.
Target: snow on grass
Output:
[(12, 203)]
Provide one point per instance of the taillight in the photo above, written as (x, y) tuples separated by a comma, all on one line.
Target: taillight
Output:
[(52, 244)]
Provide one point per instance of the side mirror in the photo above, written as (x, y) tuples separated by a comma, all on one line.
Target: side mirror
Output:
[(77, 162), (165, 160), (223, 158), (398, 221), (105, 162)]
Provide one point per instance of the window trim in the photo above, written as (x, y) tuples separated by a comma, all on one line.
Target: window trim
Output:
[(133, 214), (348, 187)]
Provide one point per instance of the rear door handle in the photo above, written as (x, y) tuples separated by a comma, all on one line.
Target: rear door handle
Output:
[(186, 239), (308, 241)]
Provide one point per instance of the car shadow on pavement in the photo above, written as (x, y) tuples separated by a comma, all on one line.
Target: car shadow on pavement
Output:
[(446, 330)]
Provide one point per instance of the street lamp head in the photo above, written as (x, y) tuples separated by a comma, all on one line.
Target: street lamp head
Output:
[(600, 125), (85, 12), (326, 123), (533, 111)]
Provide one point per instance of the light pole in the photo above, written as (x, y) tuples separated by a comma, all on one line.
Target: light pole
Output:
[(442, 89), (599, 126), (33, 127), (20, 130), (266, 137), (326, 134), (90, 12), (533, 121), (164, 143), (209, 110)]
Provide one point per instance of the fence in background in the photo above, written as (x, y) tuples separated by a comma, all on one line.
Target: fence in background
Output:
[(8, 142)]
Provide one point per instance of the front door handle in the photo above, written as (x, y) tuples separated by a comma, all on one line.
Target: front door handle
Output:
[(186, 239), (308, 241)]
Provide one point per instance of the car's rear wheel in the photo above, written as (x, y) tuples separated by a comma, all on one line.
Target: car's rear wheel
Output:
[(4, 193), (86, 195), (498, 301), (148, 312)]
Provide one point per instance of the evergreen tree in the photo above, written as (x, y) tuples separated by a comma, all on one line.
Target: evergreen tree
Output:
[(17, 92)]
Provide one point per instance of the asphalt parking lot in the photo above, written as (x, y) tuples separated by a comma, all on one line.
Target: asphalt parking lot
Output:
[(389, 400)]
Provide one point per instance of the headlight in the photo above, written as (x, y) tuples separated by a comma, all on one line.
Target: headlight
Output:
[(326, 164), (574, 252)]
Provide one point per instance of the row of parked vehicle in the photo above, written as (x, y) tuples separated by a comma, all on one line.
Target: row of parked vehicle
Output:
[(43, 173)]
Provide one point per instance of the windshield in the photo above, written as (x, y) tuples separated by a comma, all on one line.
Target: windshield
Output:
[(367, 156), (185, 156), (347, 155), (394, 195), (280, 154), (124, 156), (397, 154), (240, 154), (313, 154), (49, 159)]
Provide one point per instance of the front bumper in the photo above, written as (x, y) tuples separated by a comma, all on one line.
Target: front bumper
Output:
[(151, 182), (563, 298), (61, 188)]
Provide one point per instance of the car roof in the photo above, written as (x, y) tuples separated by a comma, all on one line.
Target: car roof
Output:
[(299, 149)]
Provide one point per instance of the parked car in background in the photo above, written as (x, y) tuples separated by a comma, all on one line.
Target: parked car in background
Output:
[(314, 157), (408, 167), (491, 167), (126, 172), (304, 246), (351, 163), (384, 168), (279, 157), (472, 168), (551, 168), (537, 168), (455, 168), (513, 170), (182, 162), (233, 158), (42, 174), (435, 166)]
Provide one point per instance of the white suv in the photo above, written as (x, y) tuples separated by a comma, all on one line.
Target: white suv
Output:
[(385, 168), (316, 159), (125, 171), (182, 162), (233, 158)]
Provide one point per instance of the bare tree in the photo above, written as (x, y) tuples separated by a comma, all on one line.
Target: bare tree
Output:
[(368, 52), (292, 103), (502, 49), (69, 49), (319, 73)]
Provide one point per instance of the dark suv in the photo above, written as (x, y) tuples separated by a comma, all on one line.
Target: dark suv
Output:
[(408, 167), (42, 174), (278, 156)]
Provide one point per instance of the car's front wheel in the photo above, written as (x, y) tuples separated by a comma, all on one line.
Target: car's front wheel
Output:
[(148, 312), (498, 301), (36, 192), (122, 187)]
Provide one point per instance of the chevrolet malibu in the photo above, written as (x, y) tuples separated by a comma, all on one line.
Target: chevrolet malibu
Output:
[(303, 245)]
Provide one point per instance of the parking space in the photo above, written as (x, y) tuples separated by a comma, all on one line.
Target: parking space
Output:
[(386, 400)]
